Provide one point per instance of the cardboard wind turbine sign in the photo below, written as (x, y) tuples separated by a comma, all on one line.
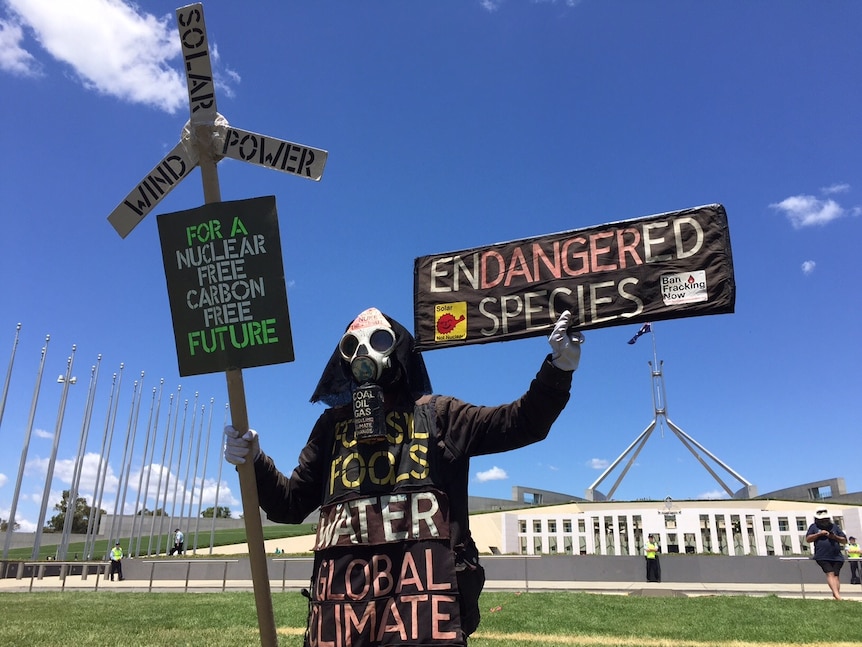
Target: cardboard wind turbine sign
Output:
[(226, 288)]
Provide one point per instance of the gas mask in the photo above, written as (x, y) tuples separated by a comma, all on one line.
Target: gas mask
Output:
[(366, 347), (367, 351)]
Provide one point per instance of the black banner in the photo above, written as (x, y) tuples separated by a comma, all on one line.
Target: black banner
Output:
[(665, 266), (226, 287)]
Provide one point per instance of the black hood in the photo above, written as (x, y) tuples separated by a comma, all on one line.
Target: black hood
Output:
[(337, 384)]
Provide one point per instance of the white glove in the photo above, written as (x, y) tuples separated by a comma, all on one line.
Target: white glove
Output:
[(565, 346), (239, 448)]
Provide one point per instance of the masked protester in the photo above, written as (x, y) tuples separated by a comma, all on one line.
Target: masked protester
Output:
[(388, 465)]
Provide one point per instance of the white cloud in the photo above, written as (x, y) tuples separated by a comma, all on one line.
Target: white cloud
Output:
[(493, 5), (43, 433), (835, 188), (714, 494), (806, 210), (3, 480), (493, 474), (597, 463), (13, 57), (808, 267), (112, 47)]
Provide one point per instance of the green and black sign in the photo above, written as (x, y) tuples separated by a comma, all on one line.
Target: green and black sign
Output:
[(225, 278)]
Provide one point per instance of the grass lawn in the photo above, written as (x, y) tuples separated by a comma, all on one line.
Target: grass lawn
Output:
[(509, 620), (220, 538)]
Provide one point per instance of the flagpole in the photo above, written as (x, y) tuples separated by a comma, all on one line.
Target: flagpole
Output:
[(137, 513), (110, 423), (159, 484), (68, 520), (10, 524), (203, 477), (218, 481), (188, 470), (9, 374), (149, 467), (67, 381)]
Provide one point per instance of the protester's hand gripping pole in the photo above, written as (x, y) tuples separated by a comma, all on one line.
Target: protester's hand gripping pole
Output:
[(251, 515), (239, 420)]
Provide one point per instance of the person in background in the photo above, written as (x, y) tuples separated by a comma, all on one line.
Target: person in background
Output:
[(179, 540), (653, 566), (117, 562), (827, 538), (388, 465), (854, 553)]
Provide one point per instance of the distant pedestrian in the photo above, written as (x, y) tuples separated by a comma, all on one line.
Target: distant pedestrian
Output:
[(179, 540), (653, 566), (827, 538), (117, 562), (854, 553)]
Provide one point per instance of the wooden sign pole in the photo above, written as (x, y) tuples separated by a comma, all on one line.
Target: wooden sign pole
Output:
[(239, 420), (207, 139)]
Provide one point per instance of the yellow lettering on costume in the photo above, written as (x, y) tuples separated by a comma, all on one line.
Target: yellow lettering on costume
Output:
[(333, 473), (421, 461), (361, 470), (389, 478)]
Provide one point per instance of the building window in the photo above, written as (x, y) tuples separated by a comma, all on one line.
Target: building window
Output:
[(752, 542), (736, 527), (523, 545), (552, 545), (523, 526), (783, 525), (801, 523), (670, 521), (537, 545), (623, 525), (537, 526), (552, 526), (567, 526), (767, 525), (582, 525), (690, 543), (786, 545), (672, 543)]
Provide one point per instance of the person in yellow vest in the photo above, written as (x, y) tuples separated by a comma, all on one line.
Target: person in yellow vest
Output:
[(653, 566), (854, 553), (117, 561)]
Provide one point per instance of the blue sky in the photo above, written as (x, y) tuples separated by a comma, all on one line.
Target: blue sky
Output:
[(449, 125)]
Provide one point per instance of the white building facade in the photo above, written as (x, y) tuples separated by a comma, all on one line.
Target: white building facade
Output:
[(724, 527)]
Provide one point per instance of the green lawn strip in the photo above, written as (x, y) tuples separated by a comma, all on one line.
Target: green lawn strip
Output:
[(224, 537), (96, 619), (721, 618)]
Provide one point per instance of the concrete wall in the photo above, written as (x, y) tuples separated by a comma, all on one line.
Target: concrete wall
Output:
[(548, 568)]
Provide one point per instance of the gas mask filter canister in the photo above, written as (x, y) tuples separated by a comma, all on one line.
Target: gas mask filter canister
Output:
[(366, 347)]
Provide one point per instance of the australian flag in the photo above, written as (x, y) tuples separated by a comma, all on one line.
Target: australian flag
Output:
[(647, 327)]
